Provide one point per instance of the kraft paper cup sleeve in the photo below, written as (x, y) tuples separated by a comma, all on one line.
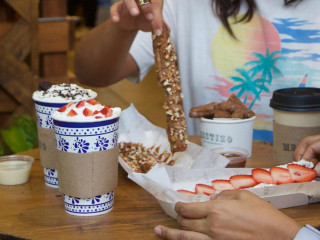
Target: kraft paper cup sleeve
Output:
[(86, 175), (48, 148), (287, 138)]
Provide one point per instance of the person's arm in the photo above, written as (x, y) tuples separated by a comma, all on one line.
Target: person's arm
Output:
[(102, 56), (234, 214)]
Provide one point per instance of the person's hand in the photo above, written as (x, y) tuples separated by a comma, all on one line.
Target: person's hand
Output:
[(233, 214), (130, 16), (308, 149)]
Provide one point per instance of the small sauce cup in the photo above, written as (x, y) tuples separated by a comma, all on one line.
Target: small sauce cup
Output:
[(15, 169), (237, 156)]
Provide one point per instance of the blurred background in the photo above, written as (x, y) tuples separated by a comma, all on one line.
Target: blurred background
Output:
[(37, 42)]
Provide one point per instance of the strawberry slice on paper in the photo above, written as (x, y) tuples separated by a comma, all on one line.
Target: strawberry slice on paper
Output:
[(281, 175), (220, 185), (242, 181), (189, 193), (205, 189), (301, 173), (262, 176)]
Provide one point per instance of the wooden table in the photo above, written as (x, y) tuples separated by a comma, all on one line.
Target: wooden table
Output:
[(35, 211)]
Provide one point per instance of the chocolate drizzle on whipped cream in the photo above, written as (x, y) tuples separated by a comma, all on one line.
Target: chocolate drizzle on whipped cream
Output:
[(66, 91)]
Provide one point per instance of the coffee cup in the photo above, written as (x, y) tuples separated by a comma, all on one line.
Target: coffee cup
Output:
[(296, 114)]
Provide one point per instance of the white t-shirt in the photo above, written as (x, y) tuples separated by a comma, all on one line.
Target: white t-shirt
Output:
[(278, 48)]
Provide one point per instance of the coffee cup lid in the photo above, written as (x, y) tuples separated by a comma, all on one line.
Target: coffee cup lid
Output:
[(296, 99)]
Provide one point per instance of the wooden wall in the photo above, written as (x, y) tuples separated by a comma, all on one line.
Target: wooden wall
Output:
[(56, 39), (19, 62), (35, 38)]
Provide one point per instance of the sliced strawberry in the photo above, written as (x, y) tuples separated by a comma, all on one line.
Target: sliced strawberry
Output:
[(205, 189), (70, 104), (72, 113), (105, 109), (96, 112), (110, 112), (262, 176), (98, 117), (189, 193), (242, 181), (80, 104), (220, 185), (93, 102), (87, 112), (280, 175), (62, 109), (301, 173)]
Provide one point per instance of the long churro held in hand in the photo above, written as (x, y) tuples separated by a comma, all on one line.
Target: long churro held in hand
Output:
[(169, 79)]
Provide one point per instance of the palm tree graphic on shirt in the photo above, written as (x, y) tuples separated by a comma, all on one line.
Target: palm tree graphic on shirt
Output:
[(253, 81)]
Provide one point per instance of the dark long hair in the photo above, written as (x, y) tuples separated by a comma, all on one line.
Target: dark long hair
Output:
[(229, 8)]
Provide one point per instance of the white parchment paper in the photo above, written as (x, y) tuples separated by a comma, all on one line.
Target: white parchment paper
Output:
[(196, 165)]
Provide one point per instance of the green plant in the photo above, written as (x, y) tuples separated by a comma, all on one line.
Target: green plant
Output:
[(19, 136)]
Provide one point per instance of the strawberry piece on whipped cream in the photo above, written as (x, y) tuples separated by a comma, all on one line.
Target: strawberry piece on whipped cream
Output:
[(86, 111)]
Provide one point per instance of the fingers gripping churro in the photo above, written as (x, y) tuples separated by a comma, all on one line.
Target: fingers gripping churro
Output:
[(169, 79)]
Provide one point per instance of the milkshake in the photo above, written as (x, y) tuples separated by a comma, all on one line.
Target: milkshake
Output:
[(48, 99), (86, 138)]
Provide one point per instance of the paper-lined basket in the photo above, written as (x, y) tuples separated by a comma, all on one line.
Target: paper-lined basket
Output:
[(196, 165)]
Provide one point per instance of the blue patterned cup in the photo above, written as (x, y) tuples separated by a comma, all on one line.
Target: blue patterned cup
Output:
[(82, 138), (46, 102), (44, 121)]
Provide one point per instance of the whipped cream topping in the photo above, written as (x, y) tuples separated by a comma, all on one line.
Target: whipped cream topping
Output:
[(85, 111), (63, 93), (302, 162)]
